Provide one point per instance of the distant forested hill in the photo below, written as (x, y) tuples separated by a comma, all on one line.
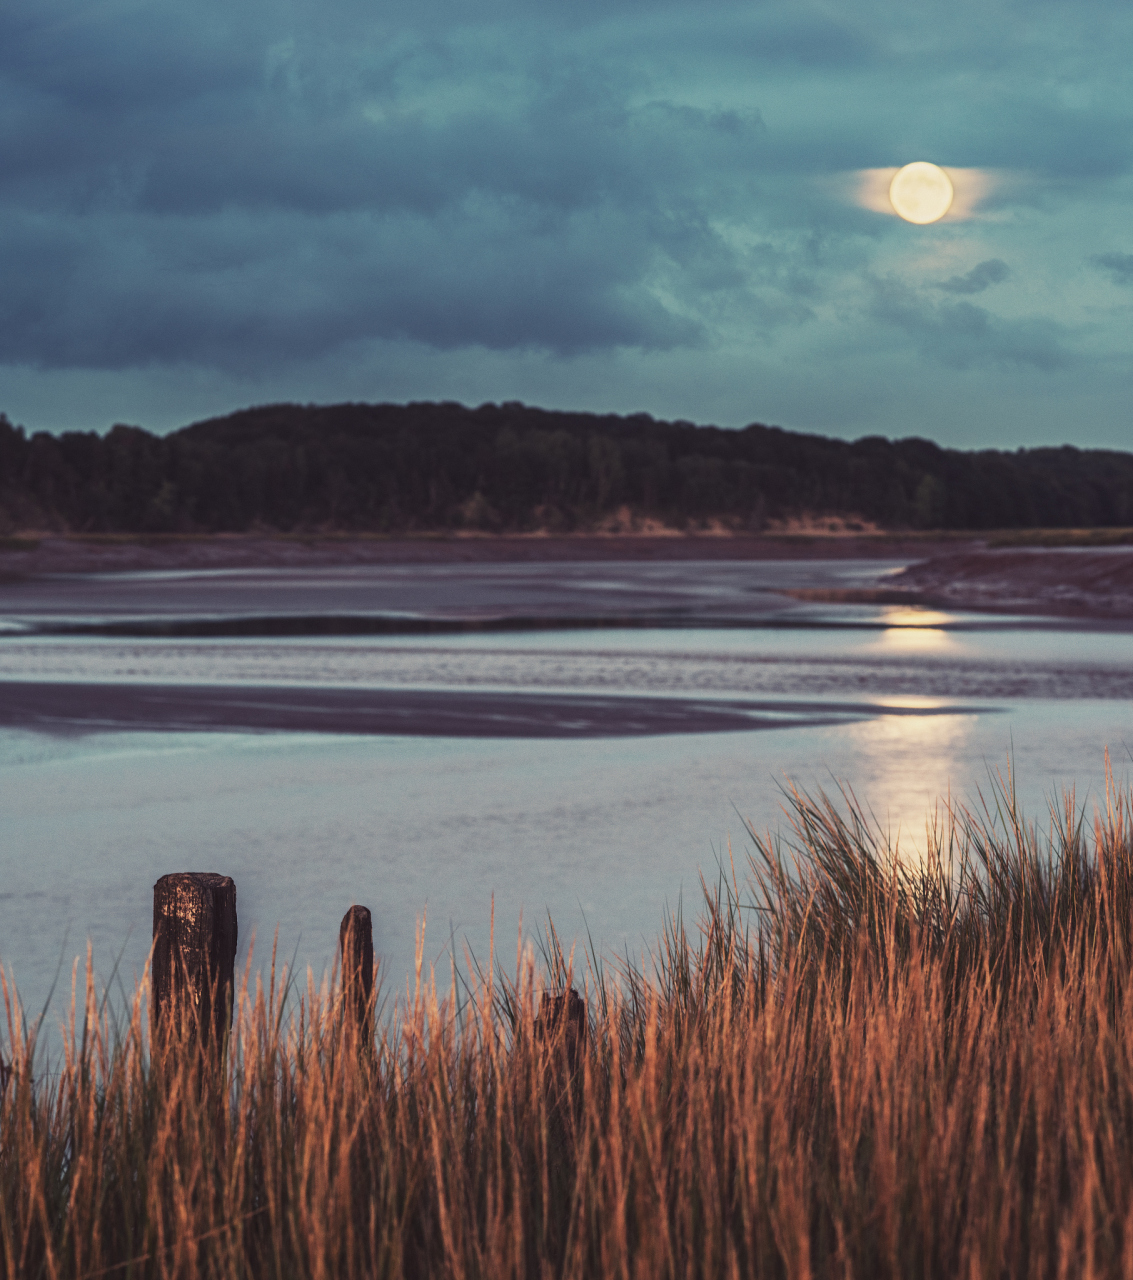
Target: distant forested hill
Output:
[(421, 467)]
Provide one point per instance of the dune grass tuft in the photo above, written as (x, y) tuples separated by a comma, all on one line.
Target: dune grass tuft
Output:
[(852, 1065)]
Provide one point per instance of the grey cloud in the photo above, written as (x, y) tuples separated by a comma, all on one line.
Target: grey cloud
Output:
[(961, 335), (237, 185), (982, 276), (241, 293), (567, 140), (112, 59), (234, 237), (1119, 265), (786, 39)]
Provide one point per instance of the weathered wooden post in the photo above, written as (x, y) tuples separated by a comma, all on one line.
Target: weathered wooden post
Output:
[(194, 954), (356, 942), (562, 1022)]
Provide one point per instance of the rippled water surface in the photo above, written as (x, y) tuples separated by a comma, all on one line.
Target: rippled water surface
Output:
[(661, 729)]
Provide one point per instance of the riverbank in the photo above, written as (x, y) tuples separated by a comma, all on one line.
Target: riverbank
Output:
[(37, 554), (875, 1080), (1076, 578), (1066, 582)]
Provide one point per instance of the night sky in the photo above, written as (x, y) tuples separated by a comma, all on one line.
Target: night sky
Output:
[(613, 206)]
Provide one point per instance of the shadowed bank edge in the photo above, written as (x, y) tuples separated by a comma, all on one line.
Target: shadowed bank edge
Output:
[(73, 707), (854, 1064)]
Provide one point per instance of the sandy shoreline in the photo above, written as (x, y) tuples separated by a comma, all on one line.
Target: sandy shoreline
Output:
[(956, 573), (33, 556), (1061, 583), (83, 708)]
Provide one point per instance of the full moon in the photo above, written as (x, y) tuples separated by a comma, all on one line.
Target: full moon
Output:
[(921, 192)]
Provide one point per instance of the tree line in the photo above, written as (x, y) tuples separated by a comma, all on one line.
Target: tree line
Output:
[(511, 468)]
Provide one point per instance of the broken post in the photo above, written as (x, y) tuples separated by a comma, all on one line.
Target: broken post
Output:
[(356, 942), (562, 1022), (194, 954)]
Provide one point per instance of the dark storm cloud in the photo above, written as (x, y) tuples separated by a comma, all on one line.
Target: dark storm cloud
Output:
[(767, 37), (963, 336), (287, 212), (1119, 266), (982, 276), (240, 187), (241, 293)]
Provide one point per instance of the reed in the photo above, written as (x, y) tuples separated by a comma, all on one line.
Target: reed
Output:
[(853, 1065)]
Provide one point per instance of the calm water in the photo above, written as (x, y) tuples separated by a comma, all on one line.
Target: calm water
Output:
[(601, 823)]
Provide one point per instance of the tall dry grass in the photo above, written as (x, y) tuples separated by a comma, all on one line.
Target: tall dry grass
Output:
[(852, 1067)]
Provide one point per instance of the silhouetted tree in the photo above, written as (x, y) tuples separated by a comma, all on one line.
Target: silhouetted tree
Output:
[(410, 468)]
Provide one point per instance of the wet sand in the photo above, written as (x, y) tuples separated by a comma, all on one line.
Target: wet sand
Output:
[(1063, 582), (78, 708), (51, 555), (162, 592), (956, 573), (1059, 582), (385, 599)]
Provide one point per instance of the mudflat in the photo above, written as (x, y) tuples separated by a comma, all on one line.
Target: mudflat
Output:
[(62, 708), (34, 555), (1067, 582), (957, 573)]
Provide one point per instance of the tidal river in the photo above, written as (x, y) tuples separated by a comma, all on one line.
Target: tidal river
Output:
[(437, 740)]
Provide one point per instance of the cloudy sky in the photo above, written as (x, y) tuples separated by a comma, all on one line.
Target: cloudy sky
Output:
[(612, 206)]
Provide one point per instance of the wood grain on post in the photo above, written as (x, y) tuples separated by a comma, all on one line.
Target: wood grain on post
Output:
[(562, 1021), (356, 942), (194, 953)]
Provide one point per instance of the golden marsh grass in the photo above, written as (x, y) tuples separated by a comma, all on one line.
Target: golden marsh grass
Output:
[(851, 1066)]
